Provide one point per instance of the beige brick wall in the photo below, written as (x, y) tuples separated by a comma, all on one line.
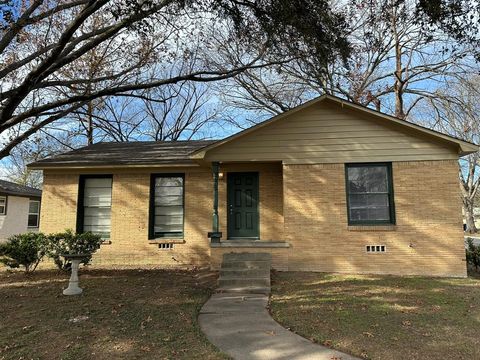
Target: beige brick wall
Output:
[(427, 239), (130, 205), (59, 202)]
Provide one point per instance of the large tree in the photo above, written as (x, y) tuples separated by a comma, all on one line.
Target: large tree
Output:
[(399, 57), (38, 147), (172, 112), (45, 46), (456, 112)]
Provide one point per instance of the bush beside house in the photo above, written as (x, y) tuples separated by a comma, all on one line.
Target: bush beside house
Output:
[(25, 250), (473, 254), (69, 242), (28, 250)]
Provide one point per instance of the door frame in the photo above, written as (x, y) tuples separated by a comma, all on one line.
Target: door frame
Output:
[(229, 184)]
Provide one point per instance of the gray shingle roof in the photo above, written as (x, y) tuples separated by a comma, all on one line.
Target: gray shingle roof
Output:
[(10, 188), (127, 153)]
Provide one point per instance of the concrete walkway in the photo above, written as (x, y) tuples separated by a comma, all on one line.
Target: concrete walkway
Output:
[(240, 326)]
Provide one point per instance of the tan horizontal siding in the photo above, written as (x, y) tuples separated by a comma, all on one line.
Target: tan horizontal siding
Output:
[(335, 157), (307, 154), (335, 141), (299, 149), (371, 158), (328, 133)]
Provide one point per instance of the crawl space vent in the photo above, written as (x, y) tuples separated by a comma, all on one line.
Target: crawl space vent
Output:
[(168, 246), (375, 248)]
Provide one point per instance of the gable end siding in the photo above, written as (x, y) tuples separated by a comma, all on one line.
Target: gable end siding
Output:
[(326, 133)]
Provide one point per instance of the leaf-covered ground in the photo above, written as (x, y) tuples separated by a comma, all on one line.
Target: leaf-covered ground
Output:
[(382, 317), (122, 314)]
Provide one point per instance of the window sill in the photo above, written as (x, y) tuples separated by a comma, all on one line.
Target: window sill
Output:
[(372, 227), (166, 241)]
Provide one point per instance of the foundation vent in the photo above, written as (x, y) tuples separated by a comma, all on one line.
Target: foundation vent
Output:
[(165, 246), (375, 248)]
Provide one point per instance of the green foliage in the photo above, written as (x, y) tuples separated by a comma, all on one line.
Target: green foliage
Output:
[(25, 250), (29, 249), (308, 28), (457, 18), (473, 254), (69, 242)]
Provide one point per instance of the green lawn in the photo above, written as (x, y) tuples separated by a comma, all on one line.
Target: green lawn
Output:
[(382, 317), (132, 314)]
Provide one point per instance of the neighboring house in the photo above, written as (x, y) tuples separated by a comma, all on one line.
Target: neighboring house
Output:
[(328, 186), (19, 209)]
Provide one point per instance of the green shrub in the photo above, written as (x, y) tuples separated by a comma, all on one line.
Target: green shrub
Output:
[(25, 250), (473, 254), (69, 242)]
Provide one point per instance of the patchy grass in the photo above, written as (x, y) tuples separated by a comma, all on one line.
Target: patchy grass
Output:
[(382, 317), (122, 314)]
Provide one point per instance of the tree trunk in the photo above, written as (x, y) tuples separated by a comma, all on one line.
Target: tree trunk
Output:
[(90, 124), (468, 205), (399, 81)]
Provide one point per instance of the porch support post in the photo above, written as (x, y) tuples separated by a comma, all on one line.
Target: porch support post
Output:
[(215, 168), (215, 235)]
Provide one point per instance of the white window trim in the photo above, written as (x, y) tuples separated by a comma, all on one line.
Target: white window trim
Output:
[(4, 206), (38, 214)]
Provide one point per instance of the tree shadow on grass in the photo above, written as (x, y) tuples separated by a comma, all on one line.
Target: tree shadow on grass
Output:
[(385, 317), (130, 314)]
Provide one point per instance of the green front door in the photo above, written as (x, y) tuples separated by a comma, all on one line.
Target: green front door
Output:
[(242, 205)]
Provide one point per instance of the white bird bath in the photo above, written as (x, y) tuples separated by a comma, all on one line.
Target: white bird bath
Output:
[(73, 288)]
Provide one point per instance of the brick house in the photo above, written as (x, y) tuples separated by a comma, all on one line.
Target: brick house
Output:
[(328, 186)]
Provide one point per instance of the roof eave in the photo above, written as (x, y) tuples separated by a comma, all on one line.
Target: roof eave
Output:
[(21, 194), (36, 166), (467, 149)]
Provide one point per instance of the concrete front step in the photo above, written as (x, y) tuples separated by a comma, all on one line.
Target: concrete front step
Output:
[(247, 256), (247, 264), (245, 272)]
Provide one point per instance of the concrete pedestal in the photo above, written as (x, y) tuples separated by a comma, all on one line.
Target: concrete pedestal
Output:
[(73, 288)]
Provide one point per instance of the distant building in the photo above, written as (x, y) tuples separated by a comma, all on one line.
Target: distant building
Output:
[(19, 209)]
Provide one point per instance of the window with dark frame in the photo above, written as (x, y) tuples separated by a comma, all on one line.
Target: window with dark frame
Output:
[(95, 205), (369, 194), (167, 206), (33, 213)]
